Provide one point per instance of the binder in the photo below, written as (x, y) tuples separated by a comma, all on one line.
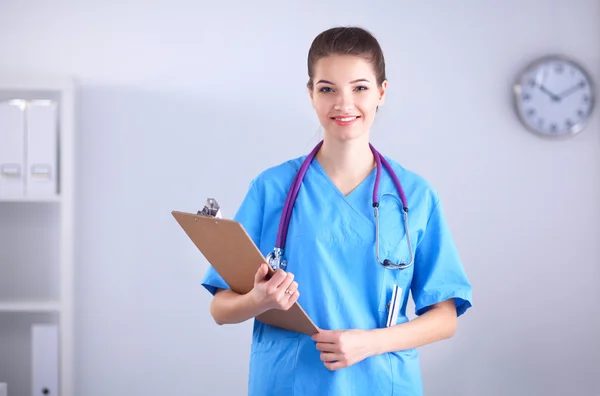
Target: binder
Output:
[(229, 249), (45, 361), (3, 389), (12, 150), (41, 148)]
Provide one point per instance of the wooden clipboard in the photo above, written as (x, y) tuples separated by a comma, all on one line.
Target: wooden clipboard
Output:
[(230, 250)]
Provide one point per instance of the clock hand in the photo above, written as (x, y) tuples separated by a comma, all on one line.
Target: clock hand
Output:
[(571, 90), (545, 90)]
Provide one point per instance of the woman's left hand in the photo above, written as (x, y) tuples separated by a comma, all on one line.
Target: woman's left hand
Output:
[(343, 348)]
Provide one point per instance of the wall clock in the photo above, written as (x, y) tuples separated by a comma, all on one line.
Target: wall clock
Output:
[(554, 97)]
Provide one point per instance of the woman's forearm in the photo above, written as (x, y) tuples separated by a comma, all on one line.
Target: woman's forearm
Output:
[(229, 307), (436, 324)]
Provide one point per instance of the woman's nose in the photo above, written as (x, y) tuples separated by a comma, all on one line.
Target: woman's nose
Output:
[(345, 102)]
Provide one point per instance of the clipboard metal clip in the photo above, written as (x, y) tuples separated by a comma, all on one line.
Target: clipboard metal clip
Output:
[(211, 209)]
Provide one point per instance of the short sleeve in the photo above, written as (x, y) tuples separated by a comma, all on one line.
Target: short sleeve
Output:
[(249, 214), (439, 274)]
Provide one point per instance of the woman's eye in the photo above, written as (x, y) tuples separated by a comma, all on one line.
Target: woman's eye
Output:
[(361, 88), (326, 89)]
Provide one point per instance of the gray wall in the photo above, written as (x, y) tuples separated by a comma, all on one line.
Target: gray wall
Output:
[(171, 89)]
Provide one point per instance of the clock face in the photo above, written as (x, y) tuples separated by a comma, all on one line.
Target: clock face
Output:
[(554, 97)]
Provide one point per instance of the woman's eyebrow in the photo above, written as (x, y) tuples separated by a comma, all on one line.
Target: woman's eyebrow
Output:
[(351, 82)]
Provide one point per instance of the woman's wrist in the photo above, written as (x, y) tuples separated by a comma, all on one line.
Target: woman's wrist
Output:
[(254, 303), (379, 339), (374, 342)]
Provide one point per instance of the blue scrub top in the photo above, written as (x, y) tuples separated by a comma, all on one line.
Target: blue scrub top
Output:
[(330, 249)]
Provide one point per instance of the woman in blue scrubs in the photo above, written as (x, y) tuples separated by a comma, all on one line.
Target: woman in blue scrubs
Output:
[(332, 267)]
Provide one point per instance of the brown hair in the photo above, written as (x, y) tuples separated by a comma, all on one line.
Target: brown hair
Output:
[(346, 41)]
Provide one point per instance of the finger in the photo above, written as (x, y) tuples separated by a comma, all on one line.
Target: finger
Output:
[(290, 297), (286, 292), (327, 347), (325, 336), (281, 292), (329, 357), (261, 273), (287, 282), (293, 298), (278, 277), (335, 365), (291, 289)]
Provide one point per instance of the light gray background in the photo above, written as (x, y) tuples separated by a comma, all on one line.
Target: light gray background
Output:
[(184, 100)]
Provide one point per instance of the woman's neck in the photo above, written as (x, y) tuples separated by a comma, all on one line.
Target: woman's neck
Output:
[(347, 163)]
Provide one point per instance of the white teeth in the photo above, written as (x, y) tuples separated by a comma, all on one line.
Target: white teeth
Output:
[(346, 119)]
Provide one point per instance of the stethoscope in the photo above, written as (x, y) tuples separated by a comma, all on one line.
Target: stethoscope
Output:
[(276, 258)]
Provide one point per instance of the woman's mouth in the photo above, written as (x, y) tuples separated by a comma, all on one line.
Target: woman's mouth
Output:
[(345, 120)]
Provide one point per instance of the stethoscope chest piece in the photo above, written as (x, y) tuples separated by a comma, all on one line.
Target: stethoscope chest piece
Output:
[(276, 260)]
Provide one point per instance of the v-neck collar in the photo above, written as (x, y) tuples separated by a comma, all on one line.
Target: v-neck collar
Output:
[(367, 181)]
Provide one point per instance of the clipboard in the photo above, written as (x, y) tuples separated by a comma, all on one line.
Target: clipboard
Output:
[(232, 253)]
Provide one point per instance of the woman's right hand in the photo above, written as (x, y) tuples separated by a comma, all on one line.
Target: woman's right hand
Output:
[(279, 292)]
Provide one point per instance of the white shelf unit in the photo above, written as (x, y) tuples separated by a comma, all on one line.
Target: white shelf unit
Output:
[(37, 249)]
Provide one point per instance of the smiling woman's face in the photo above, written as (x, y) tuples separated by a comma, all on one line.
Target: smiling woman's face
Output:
[(345, 95)]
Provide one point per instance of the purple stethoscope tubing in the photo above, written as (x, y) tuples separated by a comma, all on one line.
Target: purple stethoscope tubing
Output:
[(276, 259)]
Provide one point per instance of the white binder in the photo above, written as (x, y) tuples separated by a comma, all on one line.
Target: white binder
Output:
[(44, 360), (12, 151), (41, 148), (3, 389)]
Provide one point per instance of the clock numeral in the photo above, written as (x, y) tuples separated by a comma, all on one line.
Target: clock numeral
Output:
[(582, 83), (541, 122), (581, 113), (532, 83), (569, 123), (553, 127), (526, 96), (586, 98), (530, 112), (559, 68)]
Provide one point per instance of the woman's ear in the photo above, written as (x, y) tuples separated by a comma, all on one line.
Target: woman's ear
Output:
[(310, 95), (382, 90)]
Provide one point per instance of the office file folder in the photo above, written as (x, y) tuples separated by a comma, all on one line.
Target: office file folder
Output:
[(41, 148), (44, 359), (3, 389), (230, 250), (12, 150)]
